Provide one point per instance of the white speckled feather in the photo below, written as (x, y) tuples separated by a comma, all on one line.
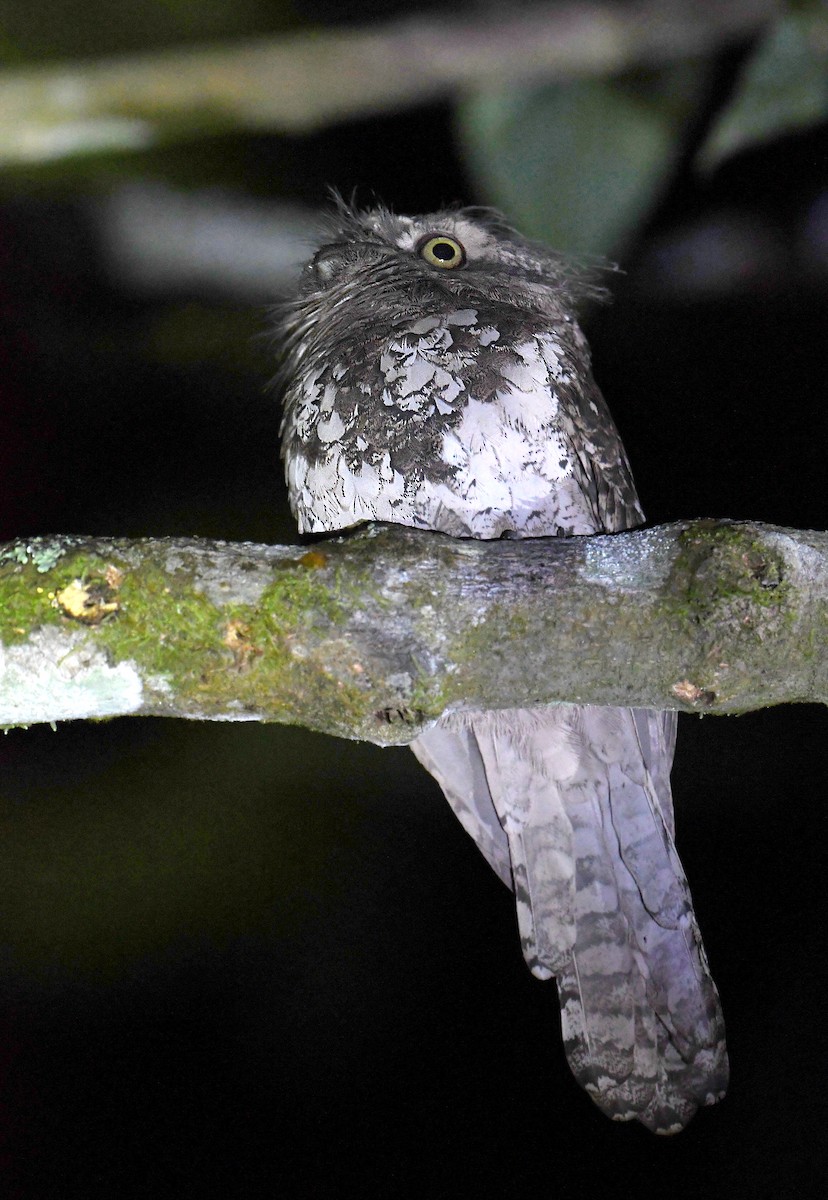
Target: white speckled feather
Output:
[(462, 400)]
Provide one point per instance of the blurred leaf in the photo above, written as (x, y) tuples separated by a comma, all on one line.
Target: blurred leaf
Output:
[(784, 86), (579, 164)]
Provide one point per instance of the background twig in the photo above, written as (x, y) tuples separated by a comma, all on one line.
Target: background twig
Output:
[(303, 81)]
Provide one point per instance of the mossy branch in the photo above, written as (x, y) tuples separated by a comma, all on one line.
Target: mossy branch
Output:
[(300, 82), (374, 635)]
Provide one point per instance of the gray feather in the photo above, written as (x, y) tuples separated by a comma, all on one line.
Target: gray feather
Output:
[(462, 400)]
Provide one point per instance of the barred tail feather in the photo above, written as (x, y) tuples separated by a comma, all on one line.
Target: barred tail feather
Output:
[(582, 797)]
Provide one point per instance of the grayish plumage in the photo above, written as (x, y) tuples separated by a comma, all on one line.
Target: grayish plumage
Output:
[(434, 375)]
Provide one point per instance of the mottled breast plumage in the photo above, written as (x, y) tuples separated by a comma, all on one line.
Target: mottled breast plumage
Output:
[(476, 419)]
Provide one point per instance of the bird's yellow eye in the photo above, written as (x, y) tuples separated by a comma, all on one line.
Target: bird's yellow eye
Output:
[(442, 251)]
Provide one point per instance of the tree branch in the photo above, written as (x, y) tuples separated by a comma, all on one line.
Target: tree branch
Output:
[(300, 82), (374, 635)]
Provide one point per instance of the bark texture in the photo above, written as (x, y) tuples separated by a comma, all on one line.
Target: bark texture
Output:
[(373, 636)]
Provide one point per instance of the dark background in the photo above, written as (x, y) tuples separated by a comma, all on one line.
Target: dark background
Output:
[(246, 960)]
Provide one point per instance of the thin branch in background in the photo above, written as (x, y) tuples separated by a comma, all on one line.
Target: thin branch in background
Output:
[(156, 238), (301, 82)]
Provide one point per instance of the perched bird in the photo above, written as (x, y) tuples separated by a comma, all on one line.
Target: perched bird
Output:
[(434, 375)]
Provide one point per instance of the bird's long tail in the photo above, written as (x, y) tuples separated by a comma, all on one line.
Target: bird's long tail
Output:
[(579, 801)]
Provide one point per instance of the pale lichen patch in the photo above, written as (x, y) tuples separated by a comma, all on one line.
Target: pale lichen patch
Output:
[(625, 563), (55, 676), (42, 552)]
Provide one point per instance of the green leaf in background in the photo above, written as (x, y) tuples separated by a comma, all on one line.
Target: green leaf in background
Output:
[(784, 86), (579, 164)]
